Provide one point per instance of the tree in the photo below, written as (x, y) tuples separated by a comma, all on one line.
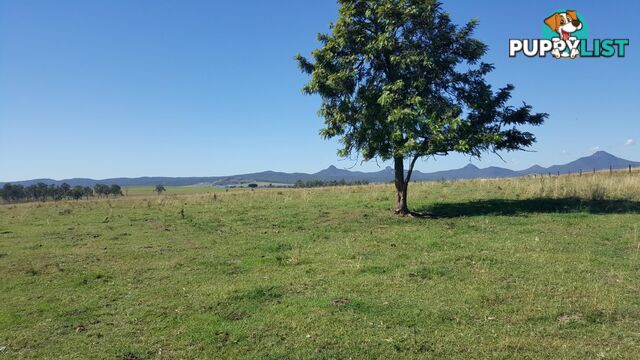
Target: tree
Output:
[(42, 190), (54, 192), (399, 81), (17, 192), (87, 192), (77, 192), (160, 189), (64, 191), (7, 192), (115, 190), (101, 189), (31, 192)]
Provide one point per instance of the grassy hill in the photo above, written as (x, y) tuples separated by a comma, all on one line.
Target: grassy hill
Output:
[(514, 268)]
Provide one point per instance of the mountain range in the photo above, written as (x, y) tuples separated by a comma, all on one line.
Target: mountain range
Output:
[(600, 160)]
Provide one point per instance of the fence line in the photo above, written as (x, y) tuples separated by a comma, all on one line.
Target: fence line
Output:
[(630, 169)]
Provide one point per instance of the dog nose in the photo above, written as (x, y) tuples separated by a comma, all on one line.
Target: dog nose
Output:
[(575, 23)]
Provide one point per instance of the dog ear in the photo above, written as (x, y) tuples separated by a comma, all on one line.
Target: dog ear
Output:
[(553, 21), (573, 15)]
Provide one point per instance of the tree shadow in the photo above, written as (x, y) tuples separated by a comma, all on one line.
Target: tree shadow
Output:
[(506, 207)]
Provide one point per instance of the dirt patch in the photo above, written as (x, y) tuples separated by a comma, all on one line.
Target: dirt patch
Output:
[(235, 316), (339, 302), (234, 271), (565, 318)]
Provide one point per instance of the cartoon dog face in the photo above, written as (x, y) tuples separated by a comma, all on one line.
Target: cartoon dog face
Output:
[(564, 23)]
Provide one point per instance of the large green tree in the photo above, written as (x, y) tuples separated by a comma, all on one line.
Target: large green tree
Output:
[(400, 81)]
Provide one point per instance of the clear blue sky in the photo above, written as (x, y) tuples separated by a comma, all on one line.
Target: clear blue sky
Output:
[(192, 88)]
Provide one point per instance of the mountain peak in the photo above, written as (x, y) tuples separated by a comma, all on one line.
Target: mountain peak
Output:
[(470, 166), (601, 153), (332, 171), (535, 167)]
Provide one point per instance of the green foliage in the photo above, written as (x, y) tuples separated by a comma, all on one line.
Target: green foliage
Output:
[(160, 189), (399, 80), (77, 192), (115, 190), (101, 189), (88, 191), (64, 190), (14, 192), (106, 190), (42, 192)]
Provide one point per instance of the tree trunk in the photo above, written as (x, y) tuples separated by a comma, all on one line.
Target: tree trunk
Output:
[(401, 187)]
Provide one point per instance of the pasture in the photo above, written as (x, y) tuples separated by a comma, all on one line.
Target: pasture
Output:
[(516, 268), (174, 190)]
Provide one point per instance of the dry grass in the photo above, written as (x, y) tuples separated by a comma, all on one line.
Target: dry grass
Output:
[(599, 186)]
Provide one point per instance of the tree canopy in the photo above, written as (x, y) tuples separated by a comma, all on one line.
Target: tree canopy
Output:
[(42, 192), (399, 81)]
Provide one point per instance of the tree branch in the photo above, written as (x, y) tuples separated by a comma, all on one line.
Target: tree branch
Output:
[(411, 165)]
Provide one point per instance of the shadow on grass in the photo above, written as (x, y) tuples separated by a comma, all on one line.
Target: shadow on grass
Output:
[(507, 207)]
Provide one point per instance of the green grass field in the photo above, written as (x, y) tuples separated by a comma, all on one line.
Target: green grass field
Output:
[(527, 268), (170, 190)]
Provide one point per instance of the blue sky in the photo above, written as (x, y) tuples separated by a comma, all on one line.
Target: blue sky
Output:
[(193, 88)]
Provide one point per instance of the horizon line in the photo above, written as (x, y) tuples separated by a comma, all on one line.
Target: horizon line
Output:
[(306, 173)]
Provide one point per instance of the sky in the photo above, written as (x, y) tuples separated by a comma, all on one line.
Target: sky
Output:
[(119, 88)]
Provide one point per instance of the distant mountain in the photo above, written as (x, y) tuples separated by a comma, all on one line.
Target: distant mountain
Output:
[(600, 160), (468, 172), (535, 169)]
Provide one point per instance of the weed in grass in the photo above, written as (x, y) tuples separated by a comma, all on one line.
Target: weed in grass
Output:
[(130, 355), (373, 270), (428, 273), (32, 271), (259, 294), (278, 247)]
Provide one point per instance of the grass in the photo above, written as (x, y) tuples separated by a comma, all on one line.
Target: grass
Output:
[(518, 268), (170, 190)]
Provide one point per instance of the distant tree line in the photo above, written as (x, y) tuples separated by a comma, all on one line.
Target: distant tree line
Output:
[(44, 192), (321, 183)]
